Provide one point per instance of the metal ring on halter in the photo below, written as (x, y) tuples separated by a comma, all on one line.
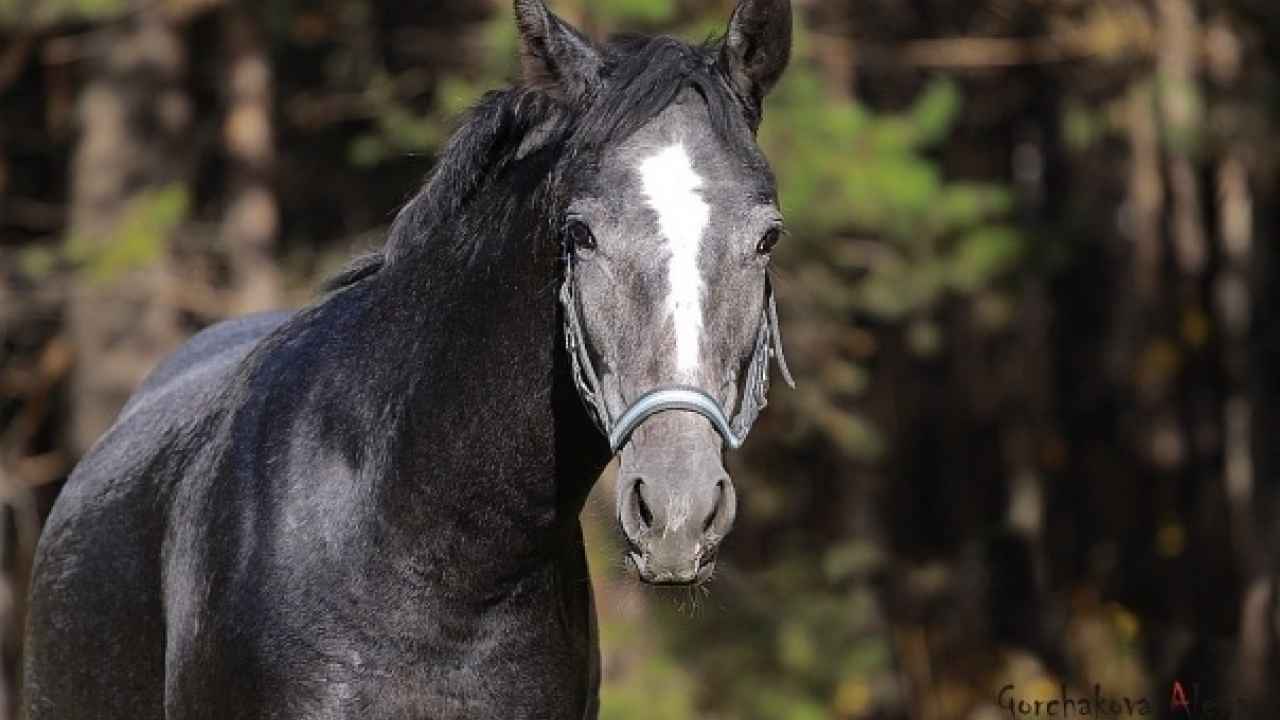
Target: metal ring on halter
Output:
[(673, 398)]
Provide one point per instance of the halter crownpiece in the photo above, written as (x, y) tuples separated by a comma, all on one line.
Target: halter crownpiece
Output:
[(675, 397)]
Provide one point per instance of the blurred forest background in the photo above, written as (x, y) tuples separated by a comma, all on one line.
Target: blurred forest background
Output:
[(1031, 296)]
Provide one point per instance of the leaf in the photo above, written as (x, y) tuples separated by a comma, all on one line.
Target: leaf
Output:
[(885, 296), (620, 12), (851, 559), (139, 238), (21, 13), (858, 438), (797, 648), (366, 151), (1082, 128), (983, 255), (963, 204), (37, 262), (935, 111)]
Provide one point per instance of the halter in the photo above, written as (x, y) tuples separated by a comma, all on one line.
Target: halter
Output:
[(670, 398)]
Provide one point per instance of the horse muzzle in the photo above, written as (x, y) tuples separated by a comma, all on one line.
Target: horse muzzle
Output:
[(676, 503)]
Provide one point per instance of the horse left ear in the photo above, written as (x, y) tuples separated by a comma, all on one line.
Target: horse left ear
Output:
[(756, 49), (555, 55)]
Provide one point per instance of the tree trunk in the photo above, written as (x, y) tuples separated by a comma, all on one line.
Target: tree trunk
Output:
[(1250, 496), (252, 216), (134, 116)]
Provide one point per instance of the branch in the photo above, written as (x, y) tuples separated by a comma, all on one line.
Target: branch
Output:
[(995, 52), (29, 473)]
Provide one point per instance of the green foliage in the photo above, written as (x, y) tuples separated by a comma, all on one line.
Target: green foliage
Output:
[(935, 112), (982, 255), (138, 240), (657, 688), (38, 262), (1183, 115), (879, 233), (830, 414), (39, 13), (804, 653), (1082, 127), (400, 130), (623, 12)]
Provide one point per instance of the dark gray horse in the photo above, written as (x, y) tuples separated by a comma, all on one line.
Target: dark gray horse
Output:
[(369, 508)]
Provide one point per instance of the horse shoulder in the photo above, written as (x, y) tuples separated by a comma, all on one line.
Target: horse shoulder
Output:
[(98, 561)]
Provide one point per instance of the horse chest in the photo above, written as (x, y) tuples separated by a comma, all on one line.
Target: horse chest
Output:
[(378, 648), (473, 683)]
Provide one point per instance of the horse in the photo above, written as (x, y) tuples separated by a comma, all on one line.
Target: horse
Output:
[(369, 508)]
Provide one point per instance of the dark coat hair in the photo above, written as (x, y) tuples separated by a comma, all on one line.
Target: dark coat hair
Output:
[(367, 508)]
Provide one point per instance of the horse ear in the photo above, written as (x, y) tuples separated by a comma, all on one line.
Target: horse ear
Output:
[(756, 49), (555, 55)]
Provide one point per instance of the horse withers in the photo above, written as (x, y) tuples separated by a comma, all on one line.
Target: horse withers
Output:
[(369, 508)]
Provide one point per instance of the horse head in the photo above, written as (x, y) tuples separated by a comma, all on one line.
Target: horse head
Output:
[(668, 213)]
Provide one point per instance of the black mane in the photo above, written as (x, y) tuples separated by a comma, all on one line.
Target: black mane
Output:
[(642, 77)]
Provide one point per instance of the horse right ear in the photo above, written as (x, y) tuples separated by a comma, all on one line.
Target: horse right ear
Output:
[(757, 47), (556, 57)]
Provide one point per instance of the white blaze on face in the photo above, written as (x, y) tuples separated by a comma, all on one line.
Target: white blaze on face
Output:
[(672, 188)]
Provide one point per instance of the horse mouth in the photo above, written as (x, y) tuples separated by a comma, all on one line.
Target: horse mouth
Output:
[(698, 572)]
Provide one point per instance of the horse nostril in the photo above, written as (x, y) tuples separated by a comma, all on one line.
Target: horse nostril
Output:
[(642, 508), (720, 520), (634, 512), (715, 508)]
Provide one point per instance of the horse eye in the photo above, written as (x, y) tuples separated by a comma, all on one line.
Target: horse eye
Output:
[(580, 235), (769, 241)]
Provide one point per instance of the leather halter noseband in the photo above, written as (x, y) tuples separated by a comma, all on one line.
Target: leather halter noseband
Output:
[(674, 397)]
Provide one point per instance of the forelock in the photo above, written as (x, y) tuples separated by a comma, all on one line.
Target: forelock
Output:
[(643, 76)]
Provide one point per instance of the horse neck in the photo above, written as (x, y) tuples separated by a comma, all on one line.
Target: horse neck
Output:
[(492, 441)]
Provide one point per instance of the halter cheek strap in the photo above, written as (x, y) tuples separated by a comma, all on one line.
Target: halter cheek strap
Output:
[(734, 431)]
